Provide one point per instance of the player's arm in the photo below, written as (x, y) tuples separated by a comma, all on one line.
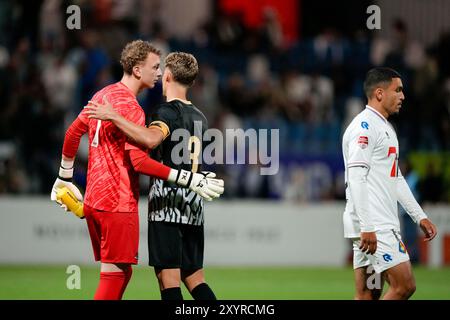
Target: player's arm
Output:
[(71, 143), (412, 207), (357, 184), (361, 145), (148, 137), (203, 184)]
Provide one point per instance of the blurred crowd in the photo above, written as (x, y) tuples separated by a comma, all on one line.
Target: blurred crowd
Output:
[(309, 89)]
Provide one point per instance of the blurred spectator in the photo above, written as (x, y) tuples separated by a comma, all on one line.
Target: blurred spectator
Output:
[(254, 184), (227, 31), (234, 95), (432, 184), (60, 79), (206, 92), (353, 107), (442, 49), (296, 190), (52, 23), (329, 48), (94, 66), (400, 51), (270, 32), (12, 176)]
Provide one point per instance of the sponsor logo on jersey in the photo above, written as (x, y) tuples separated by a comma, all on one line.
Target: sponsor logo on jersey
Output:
[(363, 142), (365, 125), (387, 257)]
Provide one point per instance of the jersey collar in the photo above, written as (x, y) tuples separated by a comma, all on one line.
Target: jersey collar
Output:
[(377, 113), (186, 102)]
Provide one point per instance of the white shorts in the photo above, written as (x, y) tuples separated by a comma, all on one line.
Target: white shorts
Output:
[(390, 252)]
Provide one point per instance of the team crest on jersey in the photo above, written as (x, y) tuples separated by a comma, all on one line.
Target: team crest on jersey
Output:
[(363, 142), (365, 125), (401, 247)]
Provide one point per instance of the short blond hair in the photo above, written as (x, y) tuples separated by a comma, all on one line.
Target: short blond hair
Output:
[(184, 67), (136, 52)]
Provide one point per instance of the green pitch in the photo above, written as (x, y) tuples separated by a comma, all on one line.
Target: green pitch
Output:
[(49, 282)]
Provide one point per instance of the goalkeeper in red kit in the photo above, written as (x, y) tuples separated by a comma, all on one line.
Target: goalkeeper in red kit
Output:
[(114, 164)]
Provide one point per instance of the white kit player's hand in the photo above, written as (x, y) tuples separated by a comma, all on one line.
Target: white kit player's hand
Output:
[(428, 228), (368, 242), (203, 183)]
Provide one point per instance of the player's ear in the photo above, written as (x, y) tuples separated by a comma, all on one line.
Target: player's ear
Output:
[(136, 72), (379, 93), (169, 76)]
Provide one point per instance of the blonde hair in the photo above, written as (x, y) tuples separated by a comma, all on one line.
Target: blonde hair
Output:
[(136, 52), (184, 67)]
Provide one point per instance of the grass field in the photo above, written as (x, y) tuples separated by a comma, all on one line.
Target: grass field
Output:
[(49, 282)]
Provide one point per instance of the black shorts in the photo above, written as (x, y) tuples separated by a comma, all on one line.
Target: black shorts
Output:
[(173, 245)]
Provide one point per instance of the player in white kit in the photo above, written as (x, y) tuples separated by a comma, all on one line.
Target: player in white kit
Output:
[(374, 186)]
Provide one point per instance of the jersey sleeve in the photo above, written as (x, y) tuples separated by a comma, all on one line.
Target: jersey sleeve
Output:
[(82, 116), (137, 116), (407, 200), (361, 143), (164, 119), (73, 136)]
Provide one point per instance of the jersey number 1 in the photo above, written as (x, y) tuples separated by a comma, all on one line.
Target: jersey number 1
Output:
[(393, 150), (94, 142)]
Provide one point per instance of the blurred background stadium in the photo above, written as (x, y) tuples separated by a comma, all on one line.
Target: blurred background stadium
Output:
[(297, 66)]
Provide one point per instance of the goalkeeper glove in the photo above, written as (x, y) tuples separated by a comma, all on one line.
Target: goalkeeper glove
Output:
[(202, 183), (65, 180)]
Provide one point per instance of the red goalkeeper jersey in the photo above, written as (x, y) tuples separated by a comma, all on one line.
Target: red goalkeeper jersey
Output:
[(112, 184)]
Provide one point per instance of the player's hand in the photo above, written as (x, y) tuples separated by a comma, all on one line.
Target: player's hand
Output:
[(428, 228), (100, 111), (59, 183), (203, 183), (368, 242), (64, 179)]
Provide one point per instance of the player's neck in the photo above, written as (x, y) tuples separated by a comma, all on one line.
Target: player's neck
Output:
[(376, 106), (177, 93), (131, 84)]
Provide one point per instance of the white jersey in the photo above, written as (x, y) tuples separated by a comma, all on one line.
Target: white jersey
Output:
[(370, 141)]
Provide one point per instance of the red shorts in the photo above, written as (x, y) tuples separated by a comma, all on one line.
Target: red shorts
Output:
[(114, 235)]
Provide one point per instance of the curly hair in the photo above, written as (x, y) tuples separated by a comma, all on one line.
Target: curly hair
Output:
[(136, 52), (184, 67)]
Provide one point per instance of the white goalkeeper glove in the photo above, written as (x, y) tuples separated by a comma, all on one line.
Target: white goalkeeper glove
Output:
[(65, 180), (202, 183)]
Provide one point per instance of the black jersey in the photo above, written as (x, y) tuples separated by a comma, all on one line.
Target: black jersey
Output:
[(183, 126)]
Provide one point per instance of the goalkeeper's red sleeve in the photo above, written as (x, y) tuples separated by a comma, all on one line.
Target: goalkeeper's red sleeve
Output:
[(142, 163), (73, 137)]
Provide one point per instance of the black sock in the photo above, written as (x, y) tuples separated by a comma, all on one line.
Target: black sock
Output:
[(203, 292), (171, 294)]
